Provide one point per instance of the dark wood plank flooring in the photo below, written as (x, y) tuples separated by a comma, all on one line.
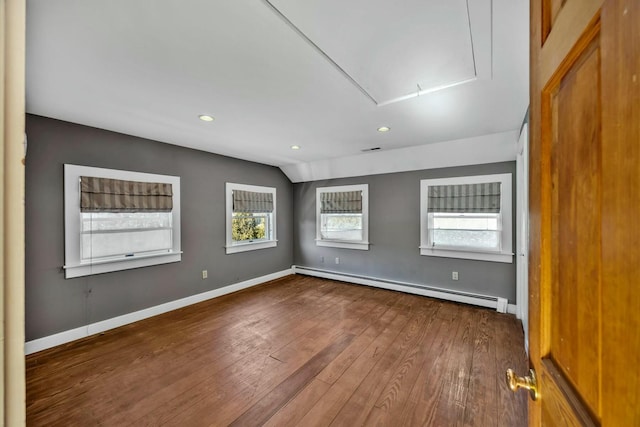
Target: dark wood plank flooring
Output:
[(298, 351)]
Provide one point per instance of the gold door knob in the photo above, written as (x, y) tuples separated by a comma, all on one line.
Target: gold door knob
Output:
[(528, 382)]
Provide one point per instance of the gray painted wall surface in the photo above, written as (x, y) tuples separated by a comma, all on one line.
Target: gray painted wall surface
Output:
[(55, 304), (394, 233)]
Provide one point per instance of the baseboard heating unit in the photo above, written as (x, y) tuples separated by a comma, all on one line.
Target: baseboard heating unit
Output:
[(498, 303)]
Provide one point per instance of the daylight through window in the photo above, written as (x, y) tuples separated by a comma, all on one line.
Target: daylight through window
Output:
[(467, 217), (342, 216), (251, 227), (251, 213), (117, 220)]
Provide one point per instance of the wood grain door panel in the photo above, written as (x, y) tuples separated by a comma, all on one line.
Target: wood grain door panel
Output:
[(550, 11), (575, 224)]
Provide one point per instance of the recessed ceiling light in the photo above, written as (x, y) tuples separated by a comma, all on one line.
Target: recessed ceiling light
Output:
[(206, 118), (295, 147), (384, 129)]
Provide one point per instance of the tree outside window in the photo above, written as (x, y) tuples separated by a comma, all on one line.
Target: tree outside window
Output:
[(248, 226)]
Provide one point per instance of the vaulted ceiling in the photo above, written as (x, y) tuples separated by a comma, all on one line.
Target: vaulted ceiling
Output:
[(323, 75)]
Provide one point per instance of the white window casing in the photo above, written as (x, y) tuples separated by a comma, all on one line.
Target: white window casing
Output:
[(111, 252), (496, 251), (356, 238), (269, 219)]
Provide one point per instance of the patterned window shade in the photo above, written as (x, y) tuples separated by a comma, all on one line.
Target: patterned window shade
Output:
[(341, 202), (465, 198), (114, 195), (251, 201)]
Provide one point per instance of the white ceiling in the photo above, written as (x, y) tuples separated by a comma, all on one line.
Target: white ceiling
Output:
[(321, 74)]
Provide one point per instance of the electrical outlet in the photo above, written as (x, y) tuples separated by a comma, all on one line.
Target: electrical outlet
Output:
[(337, 260), (205, 274), (454, 275)]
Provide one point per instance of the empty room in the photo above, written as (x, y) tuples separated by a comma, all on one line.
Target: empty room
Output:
[(284, 213)]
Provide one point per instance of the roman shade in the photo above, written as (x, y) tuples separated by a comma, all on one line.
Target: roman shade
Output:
[(252, 201), (465, 198), (341, 202), (114, 195)]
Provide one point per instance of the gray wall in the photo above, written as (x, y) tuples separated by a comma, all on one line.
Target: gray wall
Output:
[(55, 304), (394, 233)]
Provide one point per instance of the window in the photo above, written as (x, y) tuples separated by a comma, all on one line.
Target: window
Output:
[(342, 216), (118, 220), (467, 217), (251, 217)]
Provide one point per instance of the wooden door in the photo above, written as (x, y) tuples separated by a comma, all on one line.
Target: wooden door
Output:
[(585, 212)]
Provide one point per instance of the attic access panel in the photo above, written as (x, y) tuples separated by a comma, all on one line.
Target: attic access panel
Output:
[(391, 50)]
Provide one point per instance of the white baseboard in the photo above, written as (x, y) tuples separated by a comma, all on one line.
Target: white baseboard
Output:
[(411, 288), (95, 328)]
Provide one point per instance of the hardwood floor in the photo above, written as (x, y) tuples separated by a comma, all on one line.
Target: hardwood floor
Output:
[(298, 351)]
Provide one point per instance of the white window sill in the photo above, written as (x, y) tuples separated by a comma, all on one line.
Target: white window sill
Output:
[(505, 257), (116, 264), (344, 244), (250, 246)]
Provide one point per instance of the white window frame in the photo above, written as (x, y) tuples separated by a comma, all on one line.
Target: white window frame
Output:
[(74, 267), (234, 247), (505, 254), (363, 244)]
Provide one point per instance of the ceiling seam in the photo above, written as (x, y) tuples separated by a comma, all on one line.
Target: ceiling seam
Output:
[(473, 49), (491, 38), (320, 51)]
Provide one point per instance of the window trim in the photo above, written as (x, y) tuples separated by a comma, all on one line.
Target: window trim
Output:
[(363, 244), (506, 211), (74, 267), (230, 246)]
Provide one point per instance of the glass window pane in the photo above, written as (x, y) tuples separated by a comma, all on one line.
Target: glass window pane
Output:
[(466, 230), (103, 221), (469, 239), (99, 245), (108, 234), (247, 227), (341, 227), (466, 221)]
